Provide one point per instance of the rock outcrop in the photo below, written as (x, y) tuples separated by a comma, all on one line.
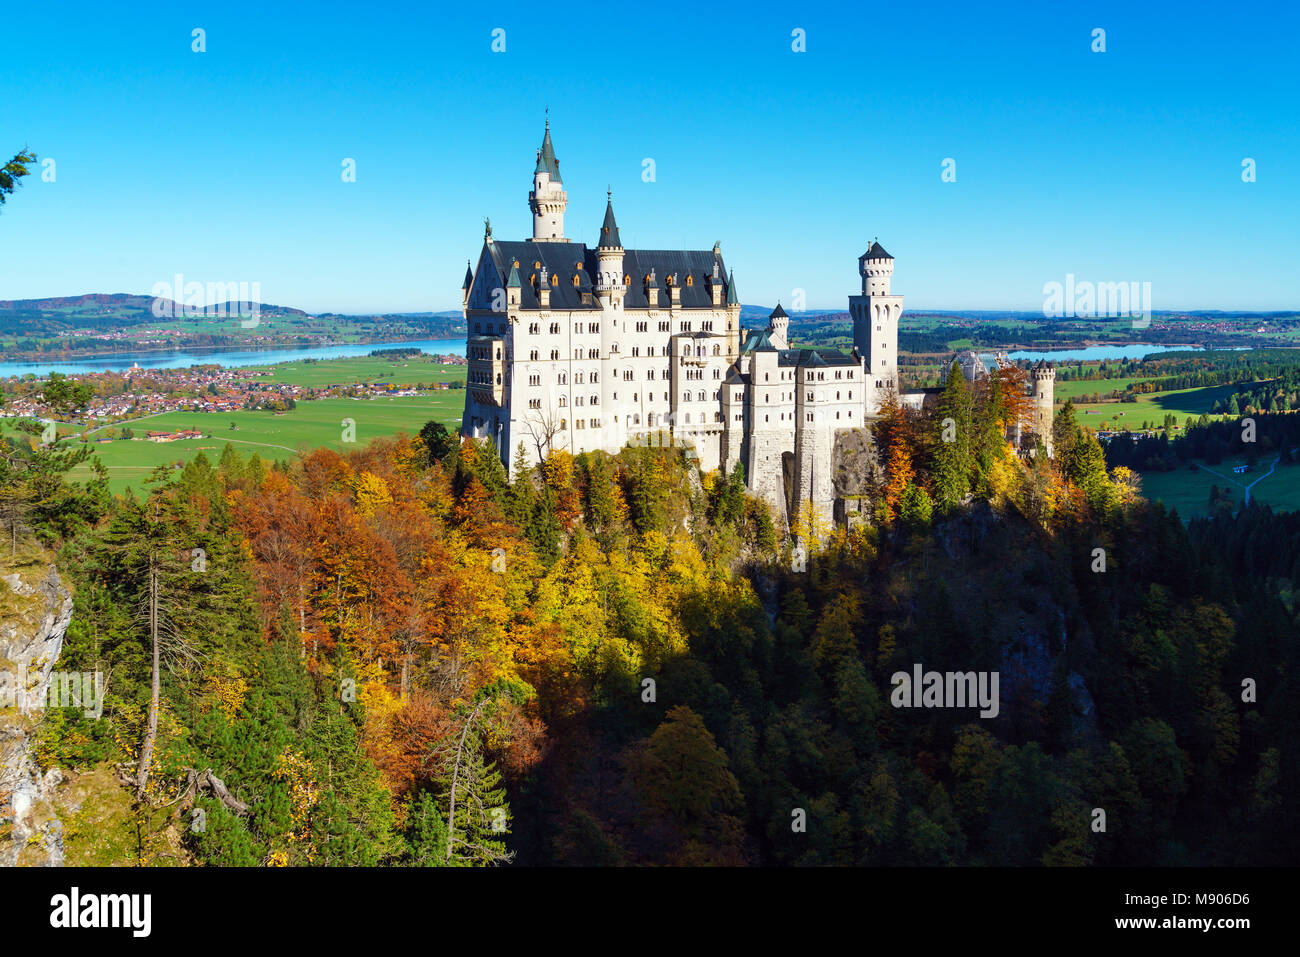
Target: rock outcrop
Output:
[(35, 609)]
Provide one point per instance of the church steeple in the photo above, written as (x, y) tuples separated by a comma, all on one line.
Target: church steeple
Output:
[(548, 199)]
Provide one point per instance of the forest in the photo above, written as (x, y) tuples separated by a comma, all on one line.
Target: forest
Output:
[(397, 656)]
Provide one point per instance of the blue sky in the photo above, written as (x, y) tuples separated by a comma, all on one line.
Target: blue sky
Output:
[(225, 165)]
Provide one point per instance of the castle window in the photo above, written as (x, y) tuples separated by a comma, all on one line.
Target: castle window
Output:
[(627, 279), (555, 279), (564, 400), (688, 418), (564, 424), (532, 356)]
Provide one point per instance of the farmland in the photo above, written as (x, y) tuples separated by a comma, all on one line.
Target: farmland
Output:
[(271, 435), (1188, 489)]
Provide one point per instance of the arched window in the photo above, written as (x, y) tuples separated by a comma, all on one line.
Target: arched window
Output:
[(690, 280)]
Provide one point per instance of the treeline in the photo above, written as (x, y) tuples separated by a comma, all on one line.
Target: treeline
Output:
[(1267, 435), (398, 656), (1278, 395)]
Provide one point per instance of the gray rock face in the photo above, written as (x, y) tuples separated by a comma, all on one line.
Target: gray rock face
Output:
[(33, 620)]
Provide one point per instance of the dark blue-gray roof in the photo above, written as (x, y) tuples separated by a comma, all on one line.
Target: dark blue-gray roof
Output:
[(876, 251), (609, 228), (561, 260), (546, 161)]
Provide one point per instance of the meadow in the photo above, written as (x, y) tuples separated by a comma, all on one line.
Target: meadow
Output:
[(271, 435), (1150, 408), (1188, 489), (361, 369)]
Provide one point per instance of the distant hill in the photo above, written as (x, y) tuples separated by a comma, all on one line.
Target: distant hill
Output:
[(104, 312)]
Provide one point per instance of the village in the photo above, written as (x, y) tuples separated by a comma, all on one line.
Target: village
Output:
[(118, 397)]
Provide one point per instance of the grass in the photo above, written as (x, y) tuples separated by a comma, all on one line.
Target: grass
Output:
[(311, 425), (1189, 491), (362, 369), (1150, 408), (1072, 388)]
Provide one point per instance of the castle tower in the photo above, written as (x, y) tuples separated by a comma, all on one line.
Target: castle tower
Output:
[(609, 256), (1044, 386), (733, 319), (778, 324), (875, 322), (548, 199)]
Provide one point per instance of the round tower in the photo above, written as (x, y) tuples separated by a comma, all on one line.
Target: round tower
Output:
[(877, 268), (778, 325), (548, 200), (1044, 385)]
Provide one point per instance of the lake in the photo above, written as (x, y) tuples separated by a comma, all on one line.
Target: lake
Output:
[(1092, 353), (250, 357)]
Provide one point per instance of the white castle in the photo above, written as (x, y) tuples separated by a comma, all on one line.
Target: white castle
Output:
[(581, 349)]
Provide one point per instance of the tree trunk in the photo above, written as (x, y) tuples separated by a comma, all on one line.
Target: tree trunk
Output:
[(151, 732), (455, 773)]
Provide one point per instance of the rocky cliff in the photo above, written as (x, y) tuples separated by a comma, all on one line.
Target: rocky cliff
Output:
[(35, 609)]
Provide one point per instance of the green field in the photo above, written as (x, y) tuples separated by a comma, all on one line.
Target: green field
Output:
[(362, 369), (270, 435), (1149, 408), (1071, 388), (1189, 491)]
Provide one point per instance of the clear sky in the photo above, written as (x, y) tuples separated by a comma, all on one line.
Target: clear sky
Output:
[(225, 165)]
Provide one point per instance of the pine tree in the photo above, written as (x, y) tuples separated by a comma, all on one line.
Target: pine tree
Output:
[(953, 462)]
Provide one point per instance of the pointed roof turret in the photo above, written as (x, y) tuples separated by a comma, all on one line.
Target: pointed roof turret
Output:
[(514, 282), (778, 313), (732, 298), (546, 161), (609, 238), (469, 276), (876, 251)]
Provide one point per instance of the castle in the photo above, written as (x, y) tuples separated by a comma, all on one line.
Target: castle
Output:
[(578, 348)]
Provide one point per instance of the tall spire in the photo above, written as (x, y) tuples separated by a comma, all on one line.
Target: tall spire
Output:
[(732, 298), (609, 237), (469, 276), (546, 161)]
